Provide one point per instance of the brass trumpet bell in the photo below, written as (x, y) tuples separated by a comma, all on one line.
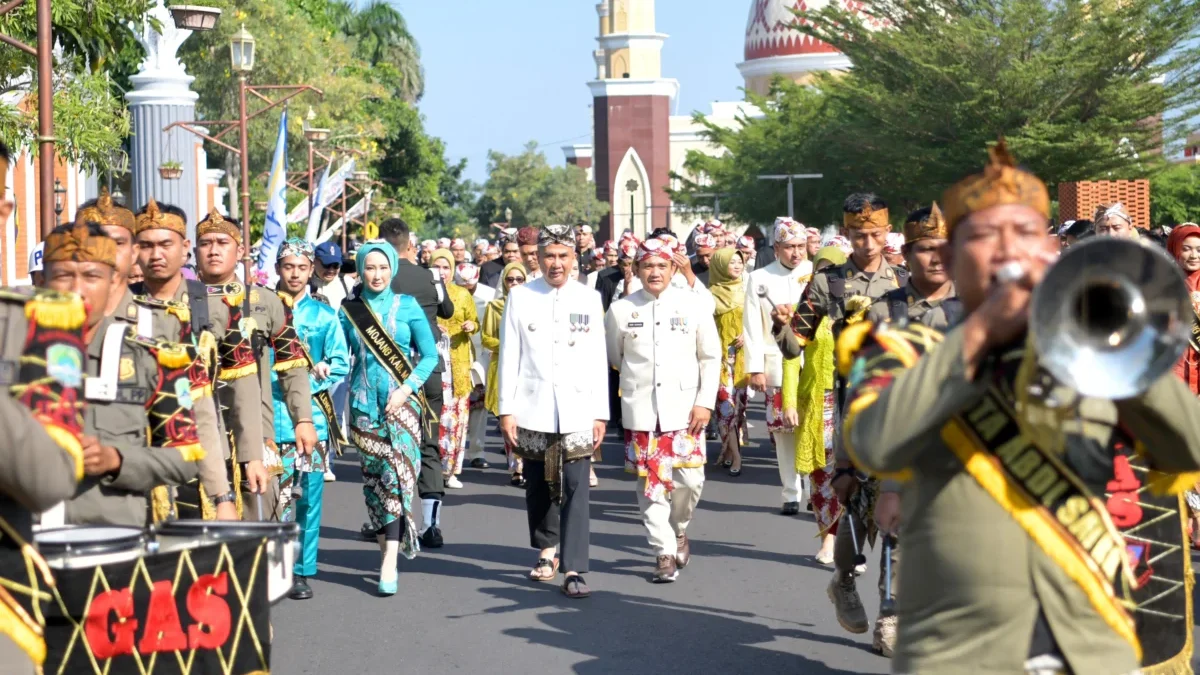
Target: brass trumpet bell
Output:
[(1111, 317)]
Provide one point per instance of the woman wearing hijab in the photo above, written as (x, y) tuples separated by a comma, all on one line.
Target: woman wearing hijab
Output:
[(1184, 246), (725, 283), (459, 354), (808, 394), (512, 276), (385, 412)]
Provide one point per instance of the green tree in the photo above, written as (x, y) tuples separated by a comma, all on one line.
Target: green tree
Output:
[(382, 39), (1077, 88), (1175, 195), (537, 193), (89, 115)]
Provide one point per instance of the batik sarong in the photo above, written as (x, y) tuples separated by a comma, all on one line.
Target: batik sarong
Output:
[(390, 456)]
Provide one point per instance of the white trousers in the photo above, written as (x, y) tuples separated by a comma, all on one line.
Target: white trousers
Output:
[(668, 517), (476, 429), (785, 454)]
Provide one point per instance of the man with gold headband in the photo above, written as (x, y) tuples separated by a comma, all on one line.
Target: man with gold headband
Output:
[(119, 223), (276, 346), (844, 294), (41, 373), (139, 430), (1028, 530), (170, 307)]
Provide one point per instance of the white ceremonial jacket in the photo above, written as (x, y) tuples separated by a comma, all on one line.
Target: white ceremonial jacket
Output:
[(669, 355), (699, 291), (553, 368), (783, 286)]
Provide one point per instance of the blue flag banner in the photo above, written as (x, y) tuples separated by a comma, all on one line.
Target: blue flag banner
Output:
[(275, 231)]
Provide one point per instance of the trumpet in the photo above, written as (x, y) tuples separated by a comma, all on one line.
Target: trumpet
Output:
[(1110, 317)]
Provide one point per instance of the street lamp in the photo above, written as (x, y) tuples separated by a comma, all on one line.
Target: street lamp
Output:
[(313, 135), (60, 193), (241, 51), (508, 217), (788, 178)]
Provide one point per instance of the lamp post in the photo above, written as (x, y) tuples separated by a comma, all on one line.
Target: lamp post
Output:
[(45, 104), (60, 193), (241, 56), (788, 178), (313, 135)]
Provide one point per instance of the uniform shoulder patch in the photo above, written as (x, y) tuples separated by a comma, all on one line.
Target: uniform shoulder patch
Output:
[(127, 370)]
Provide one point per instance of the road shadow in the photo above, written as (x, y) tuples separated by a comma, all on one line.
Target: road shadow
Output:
[(627, 634)]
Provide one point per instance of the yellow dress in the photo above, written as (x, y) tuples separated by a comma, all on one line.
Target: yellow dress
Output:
[(804, 390), (493, 315), (462, 352), (729, 327)]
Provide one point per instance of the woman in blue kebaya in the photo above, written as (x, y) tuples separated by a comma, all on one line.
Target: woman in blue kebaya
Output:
[(385, 413)]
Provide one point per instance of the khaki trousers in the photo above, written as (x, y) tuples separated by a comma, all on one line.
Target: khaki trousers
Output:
[(668, 517)]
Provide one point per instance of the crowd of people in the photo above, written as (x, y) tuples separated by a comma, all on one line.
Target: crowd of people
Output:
[(891, 366)]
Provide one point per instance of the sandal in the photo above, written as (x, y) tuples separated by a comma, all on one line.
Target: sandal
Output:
[(575, 587), (545, 570), (517, 480)]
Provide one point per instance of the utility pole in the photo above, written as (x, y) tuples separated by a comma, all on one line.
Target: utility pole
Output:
[(789, 177)]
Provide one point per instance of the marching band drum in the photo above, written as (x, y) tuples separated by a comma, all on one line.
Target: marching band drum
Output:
[(281, 539)]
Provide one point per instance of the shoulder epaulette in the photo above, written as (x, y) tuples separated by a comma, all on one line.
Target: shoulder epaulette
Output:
[(231, 293), (52, 309), (168, 354), (180, 310), (286, 299)]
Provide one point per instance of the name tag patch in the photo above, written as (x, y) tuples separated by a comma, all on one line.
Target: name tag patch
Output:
[(635, 324), (132, 395)]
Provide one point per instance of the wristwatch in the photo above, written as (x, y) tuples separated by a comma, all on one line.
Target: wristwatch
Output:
[(222, 499)]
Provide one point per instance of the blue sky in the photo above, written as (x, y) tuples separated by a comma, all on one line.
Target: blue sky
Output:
[(500, 74)]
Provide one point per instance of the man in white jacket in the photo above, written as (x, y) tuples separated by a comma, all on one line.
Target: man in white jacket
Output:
[(780, 283), (668, 351), (553, 404)]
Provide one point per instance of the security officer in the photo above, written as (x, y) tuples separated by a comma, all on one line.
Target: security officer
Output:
[(172, 308), (845, 293), (139, 430), (218, 250), (119, 223), (41, 451), (928, 298)]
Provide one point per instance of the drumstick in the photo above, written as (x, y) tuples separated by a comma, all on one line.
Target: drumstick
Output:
[(258, 504), (888, 605)]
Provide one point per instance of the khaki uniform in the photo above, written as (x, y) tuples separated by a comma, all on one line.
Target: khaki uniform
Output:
[(120, 499), (38, 472), (973, 579), (273, 318), (162, 325), (822, 298), (936, 314)]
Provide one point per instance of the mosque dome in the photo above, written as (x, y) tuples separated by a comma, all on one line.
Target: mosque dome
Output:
[(774, 46)]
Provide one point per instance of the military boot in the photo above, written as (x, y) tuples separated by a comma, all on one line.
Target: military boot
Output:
[(843, 593)]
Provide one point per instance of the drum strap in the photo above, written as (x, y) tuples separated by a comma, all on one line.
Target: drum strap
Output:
[(104, 387)]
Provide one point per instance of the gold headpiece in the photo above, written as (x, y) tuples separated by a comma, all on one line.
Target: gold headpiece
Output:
[(105, 212), (868, 219), (215, 222), (1001, 182), (932, 227), (153, 219), (77, 244)]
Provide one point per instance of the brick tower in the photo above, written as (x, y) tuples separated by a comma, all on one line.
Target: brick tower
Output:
[(631, 111)]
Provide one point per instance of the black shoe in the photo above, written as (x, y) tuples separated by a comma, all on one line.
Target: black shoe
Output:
[(710, 435), (301, 590), (479, 463), (432, 538), (790, 508), (369, 533), (808, 507)]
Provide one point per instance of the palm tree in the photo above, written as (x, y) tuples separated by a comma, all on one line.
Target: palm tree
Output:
[(381, 35)]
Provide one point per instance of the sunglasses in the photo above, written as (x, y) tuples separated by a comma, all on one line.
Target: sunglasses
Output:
[(514, 280)]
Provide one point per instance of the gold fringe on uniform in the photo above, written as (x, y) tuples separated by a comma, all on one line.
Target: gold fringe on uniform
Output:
[(180, 310), (191, 452), (173, 356), (235, 299), (160, 504), (207, 348), (1160, 483), (62, 311), (288, 365), (228, 374)]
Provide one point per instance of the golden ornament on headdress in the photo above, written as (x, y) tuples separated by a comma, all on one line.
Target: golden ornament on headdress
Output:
[(78, 245), (107, 213), (215, 222), (154, 219), (1001, 182), (932, 227), (868, 219)]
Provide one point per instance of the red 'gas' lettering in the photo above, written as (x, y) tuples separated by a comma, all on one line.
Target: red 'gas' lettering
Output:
[(208, 609), (104, 644), (163, 630), (1122, 505)]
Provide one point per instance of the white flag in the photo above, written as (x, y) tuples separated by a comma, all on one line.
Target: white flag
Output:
[(353, 212), (330, 190)]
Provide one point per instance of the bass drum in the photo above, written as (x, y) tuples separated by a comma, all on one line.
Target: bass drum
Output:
[(281, 541), (81, 546)]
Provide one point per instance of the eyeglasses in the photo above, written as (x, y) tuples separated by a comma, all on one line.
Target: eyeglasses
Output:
[(514, 280), (332, 266)]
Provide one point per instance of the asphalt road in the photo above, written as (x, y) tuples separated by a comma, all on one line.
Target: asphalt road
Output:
[(752, 600)]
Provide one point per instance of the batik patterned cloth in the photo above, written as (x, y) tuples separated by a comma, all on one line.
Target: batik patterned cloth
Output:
[(824, 500), (775, 411), (655, 455), (555, 451), (731, 402), (295, 463), (391, 459), (452, 437)]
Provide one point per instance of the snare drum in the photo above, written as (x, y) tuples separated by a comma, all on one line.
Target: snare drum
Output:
[(281, 544), (77, 547)]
